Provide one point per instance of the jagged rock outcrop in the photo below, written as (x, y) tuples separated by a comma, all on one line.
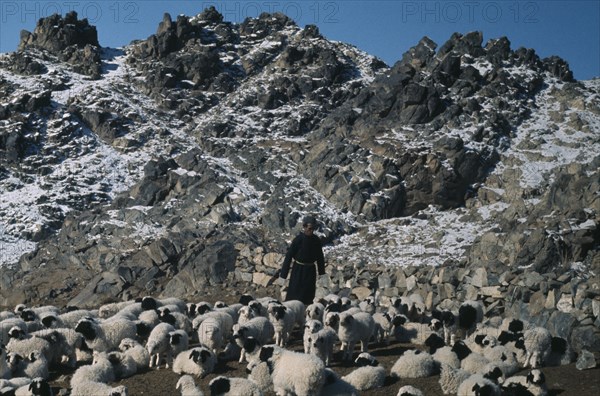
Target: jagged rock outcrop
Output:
[(73, 41), (461, 171)]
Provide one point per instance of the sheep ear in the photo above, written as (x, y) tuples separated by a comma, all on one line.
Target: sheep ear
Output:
[(266, 353), (219, 386), (204, 355), (32, 357)]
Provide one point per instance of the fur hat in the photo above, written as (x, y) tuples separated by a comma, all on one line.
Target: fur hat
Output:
[(309, 220)]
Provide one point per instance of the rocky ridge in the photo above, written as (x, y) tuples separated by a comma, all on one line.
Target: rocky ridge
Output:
[(186, 161)]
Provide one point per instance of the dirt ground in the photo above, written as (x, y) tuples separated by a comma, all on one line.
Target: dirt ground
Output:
[(564, 381)]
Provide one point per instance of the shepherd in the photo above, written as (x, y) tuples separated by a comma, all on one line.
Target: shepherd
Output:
[(305, 251)]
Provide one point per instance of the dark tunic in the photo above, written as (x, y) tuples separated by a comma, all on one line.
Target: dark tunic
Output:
[(308, 250)]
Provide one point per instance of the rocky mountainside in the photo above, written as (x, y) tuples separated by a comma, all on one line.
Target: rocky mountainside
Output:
[(184, 161)]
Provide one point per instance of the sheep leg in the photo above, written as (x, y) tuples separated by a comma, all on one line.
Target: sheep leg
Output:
[(364, 345)]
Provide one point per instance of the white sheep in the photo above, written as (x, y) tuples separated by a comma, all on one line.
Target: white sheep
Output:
[(474, 362), (198, 361), (446, 356), (245, 313), (298, 309), (370, 375), (24, 347), (414, 364), (231, 310), (335, 386), (7, 324), (101, 370), (158, 344), (98, 389), (34, 365), (311, 326), (64, 345), (504, 358), (386, 325), (294, 372), (409, 390), (124, 365), (534, 383), (260, 328), (177, 319), (477, 385), (451, 378), (413, 333), (222, 385), (106, 335), (354, 328), (538, 343), (179, 341), (283, 320), (315, 311), (137, 352), (259, 372), (149, 302), (225, 322), (37, 386), (322, 343), (368, 305), (187, 386), (210, 334), (107, 310)]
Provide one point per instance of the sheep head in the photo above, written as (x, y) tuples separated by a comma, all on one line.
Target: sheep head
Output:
[(87, 328)]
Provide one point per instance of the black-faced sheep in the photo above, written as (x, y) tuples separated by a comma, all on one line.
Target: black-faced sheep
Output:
[(409, 390), (335, 386), (224, 386), (260, 328), (478, 385), (469, 314), (137, 352), (198, 361), (105, 335), (534, 383), (369, 374), (283, 322)]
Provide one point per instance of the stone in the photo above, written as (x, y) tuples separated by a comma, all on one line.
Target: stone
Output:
[(585, 361), (596, 308), (479, 278), (492, 291), (361, 292), (260, 278), (551, 300), (273, 260), (537, 303), (411, 283), (565, 303), (384, 281)]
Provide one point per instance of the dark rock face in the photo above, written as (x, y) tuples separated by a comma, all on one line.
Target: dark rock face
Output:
[(73, 41), (56, 33)]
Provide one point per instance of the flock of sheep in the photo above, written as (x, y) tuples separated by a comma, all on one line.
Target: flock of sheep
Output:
[(473, 356)]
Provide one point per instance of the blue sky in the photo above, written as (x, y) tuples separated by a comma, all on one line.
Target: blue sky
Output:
[(568, 28)]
